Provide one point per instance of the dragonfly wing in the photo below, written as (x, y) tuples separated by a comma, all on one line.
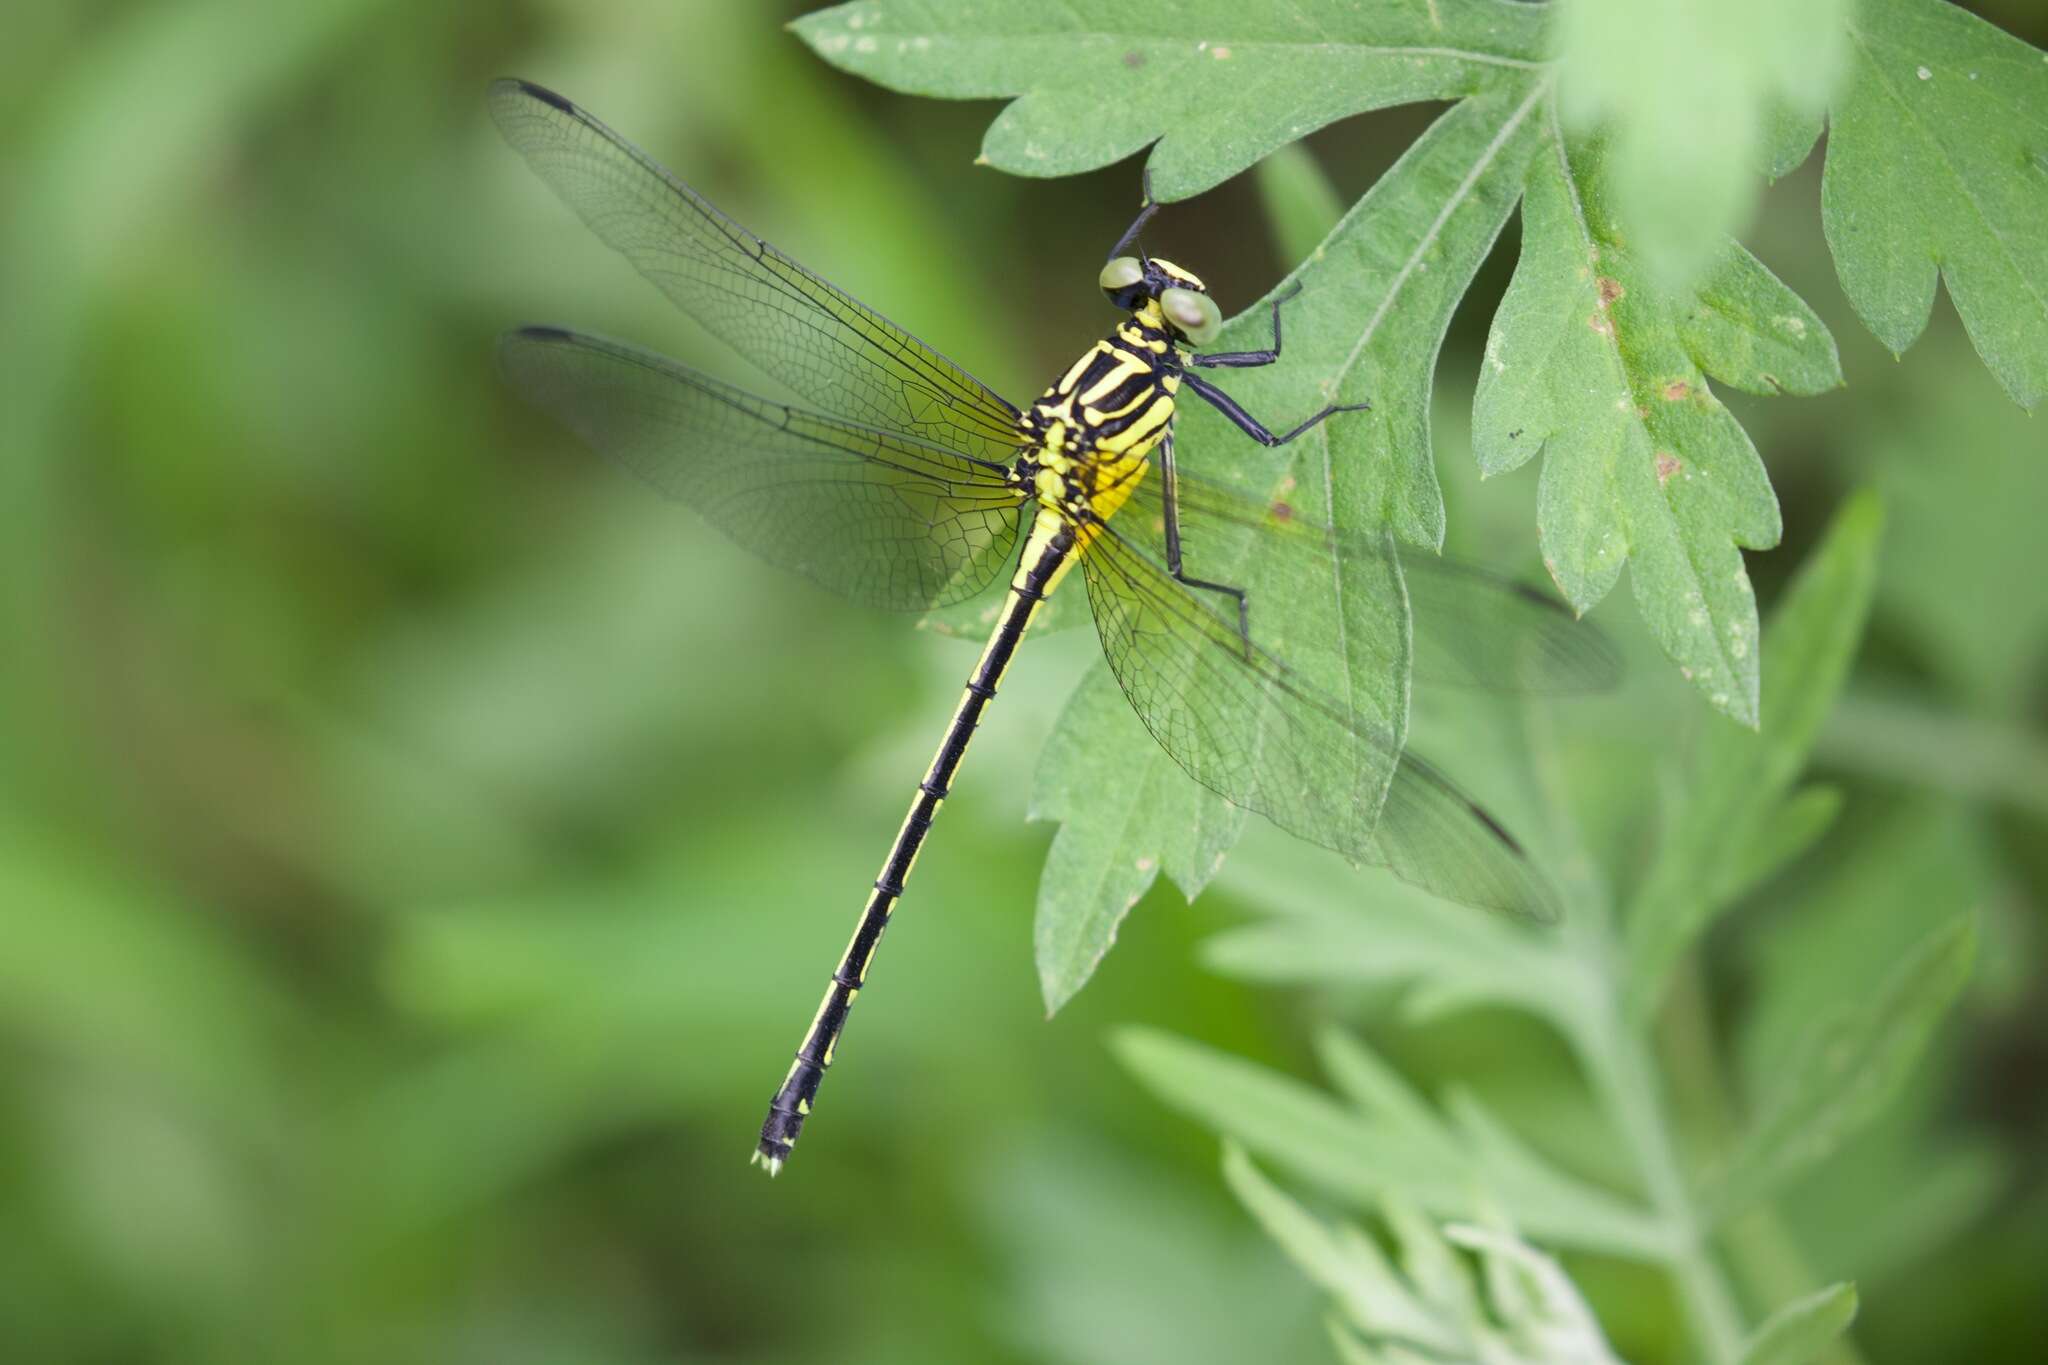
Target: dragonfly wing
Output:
[(830, 348), (1267, 736), (1472, 628), (879, 516)]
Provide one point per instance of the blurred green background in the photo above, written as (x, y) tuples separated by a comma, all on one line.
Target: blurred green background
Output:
[(419, 849)]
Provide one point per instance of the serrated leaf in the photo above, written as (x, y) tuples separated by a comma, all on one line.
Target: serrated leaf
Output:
[(1366, 1157), (1845, 1071), (1799, 1332), (1375, 301), (1214, 85), (1812, 641), (1938, 162), (1694, 96), (1127, 813), (1591, 363)]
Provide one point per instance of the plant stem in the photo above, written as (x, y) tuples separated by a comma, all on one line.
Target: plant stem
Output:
[(1625, 1075), (1902, 739), (1761, 1249)]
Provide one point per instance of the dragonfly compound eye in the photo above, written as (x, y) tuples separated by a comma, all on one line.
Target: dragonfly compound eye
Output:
[(1123, 279), (1195, 315)]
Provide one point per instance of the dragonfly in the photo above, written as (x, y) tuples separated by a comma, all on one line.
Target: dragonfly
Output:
[(903, 482)]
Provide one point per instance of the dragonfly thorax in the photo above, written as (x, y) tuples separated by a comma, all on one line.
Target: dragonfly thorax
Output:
[(1113, 403)]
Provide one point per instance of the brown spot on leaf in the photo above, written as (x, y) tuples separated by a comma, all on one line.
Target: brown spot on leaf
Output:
[(1283, 511), (1676, 391), (1667, 465), (1134, 59), (1599, 323), (1610, 290)]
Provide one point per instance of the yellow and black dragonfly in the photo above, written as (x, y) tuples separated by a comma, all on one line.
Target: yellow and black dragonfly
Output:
[(907, 484)]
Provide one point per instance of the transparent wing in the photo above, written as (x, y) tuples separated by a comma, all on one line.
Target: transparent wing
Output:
[(831, 349), (1263, 735), (879, 516), (1471, 628)]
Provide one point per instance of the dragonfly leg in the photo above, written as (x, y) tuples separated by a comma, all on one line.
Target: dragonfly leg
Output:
[(1170, 501), (1245, 360), (1252, 426)]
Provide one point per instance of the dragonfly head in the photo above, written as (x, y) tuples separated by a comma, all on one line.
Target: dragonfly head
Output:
[(1134, 284)]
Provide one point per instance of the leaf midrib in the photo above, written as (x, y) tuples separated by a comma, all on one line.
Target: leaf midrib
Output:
[(1457, 198)]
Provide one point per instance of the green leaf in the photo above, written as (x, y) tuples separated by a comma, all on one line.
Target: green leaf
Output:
[(1344, 1263), (1128, 812), (1528, 1314), (1367, 1154), (1788, 138), (1431, 1308), (1797, 824), (1742, 778), (1213, 85), (1376, 299), (1845, 1071), (1546, 1320), (1590, 362), (1903, 871), (1797, 1333), (1451, 959), (1300, 202), (1938, 162), (1694, 97)]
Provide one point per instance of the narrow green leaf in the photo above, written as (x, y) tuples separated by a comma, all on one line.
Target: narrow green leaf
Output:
[(1938, 162), (1212, 85), (1590, 362), (1128, 814), (1799, 1332), (1683, 90), (1844, 1072), (1452, 959), (1300, 202), (1366, 1157), (1351, 1269), (1543, 1311), (1742, 778), (1432, 1309), (1797, 824)]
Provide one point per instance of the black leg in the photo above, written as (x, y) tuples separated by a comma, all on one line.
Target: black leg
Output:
[(1137, 224), (1252, 426), (1244, 360), (1170, 497)]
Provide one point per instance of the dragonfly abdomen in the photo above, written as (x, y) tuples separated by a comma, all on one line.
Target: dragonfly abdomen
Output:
[(1045, 559)]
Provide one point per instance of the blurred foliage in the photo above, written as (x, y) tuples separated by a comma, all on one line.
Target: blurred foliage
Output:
[(416, 848)]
